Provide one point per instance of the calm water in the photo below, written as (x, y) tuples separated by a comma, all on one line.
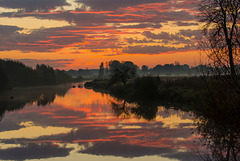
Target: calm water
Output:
[(62, 123)]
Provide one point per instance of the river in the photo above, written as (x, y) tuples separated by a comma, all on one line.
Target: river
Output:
[(64, 123)]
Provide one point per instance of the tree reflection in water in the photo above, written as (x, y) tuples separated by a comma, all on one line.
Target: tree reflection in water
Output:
[(146, 110), (219, 130), (220, 136), (23, 96)]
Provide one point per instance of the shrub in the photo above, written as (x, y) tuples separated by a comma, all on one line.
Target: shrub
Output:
[(146, 87)]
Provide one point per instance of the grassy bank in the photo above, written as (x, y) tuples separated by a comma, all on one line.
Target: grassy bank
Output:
[(171, 89)]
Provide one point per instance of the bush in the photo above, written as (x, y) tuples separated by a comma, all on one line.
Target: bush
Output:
[(146, 87)]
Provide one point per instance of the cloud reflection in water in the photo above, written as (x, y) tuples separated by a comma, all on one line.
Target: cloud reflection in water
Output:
[(86, 120)]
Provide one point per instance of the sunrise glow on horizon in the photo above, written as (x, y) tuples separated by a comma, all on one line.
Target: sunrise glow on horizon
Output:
[(73, 34)]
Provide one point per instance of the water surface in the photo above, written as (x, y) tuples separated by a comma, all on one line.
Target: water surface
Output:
[(64, 123)]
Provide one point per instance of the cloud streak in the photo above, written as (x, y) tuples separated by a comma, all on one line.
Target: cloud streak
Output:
[(99, 27), (33, 5), (41, 40), (114, 4), (56, 63), (157, 49)]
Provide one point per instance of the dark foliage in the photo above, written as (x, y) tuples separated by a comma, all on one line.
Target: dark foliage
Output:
[(221, 33), (217, 117), (47, 74), (169, 89), (122, 72), (79, 78), (3, 80), (16, 74), (146, 87), (101, 71), (217, 120), (63, 77)]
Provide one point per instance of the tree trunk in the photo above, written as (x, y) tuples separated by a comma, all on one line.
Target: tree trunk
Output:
[(230, 54)]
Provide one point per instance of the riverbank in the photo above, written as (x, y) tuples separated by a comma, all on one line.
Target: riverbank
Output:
[(183, 90)]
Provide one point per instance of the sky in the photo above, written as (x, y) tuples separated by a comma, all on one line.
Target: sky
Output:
[(73, 34)]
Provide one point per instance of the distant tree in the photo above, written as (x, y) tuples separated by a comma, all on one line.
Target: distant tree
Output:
[(62, 77), (101, 71), (19, 74), (48, 76), (221, 29), (114, 64), (106, 69), (122, 72), (177, 63), (16, 74), (79, 78), (144, 69)]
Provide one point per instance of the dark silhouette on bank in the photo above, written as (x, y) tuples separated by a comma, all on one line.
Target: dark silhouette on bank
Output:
[(122, 71), (16, 74)]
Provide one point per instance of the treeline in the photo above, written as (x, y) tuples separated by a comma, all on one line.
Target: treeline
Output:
[(159, 70), (16, 74), (83, 73), (173, 69), (170, 69), (184, 70), (124, 82)]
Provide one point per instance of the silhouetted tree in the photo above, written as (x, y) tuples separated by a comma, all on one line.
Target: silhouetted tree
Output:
[(122, 72), (106, 69), (19, 74), (101, 71), (221, 30), (177, 63), (144, 69), (114, 64), (62, 77), (171, 69), (16, 74), (47, 73)]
